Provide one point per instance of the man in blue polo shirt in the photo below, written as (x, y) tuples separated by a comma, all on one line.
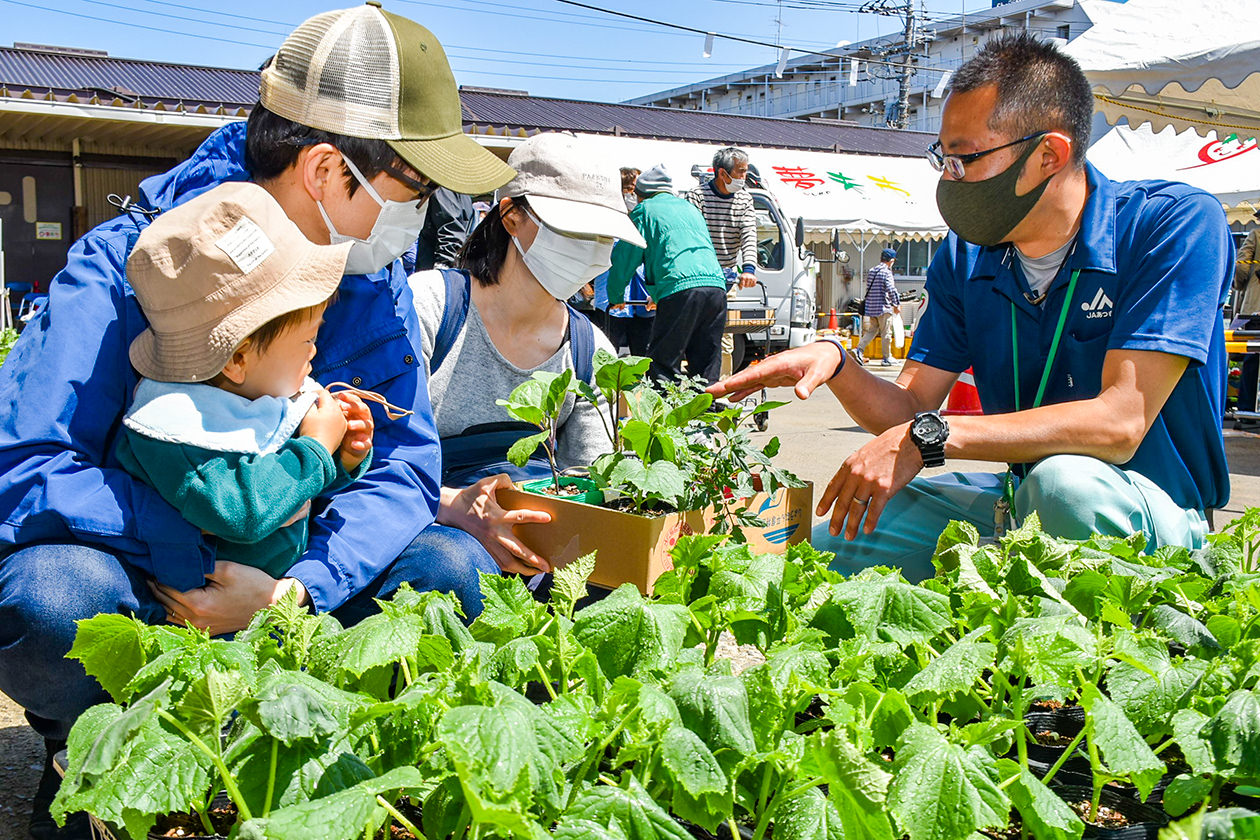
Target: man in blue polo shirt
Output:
[(1090, 311)]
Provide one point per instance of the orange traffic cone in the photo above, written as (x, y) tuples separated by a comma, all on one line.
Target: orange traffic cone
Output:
[(963, 397), (832, 322)]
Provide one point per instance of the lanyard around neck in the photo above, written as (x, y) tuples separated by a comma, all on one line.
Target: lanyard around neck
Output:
[(1054, 344)]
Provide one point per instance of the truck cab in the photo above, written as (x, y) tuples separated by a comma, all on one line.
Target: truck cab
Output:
[(788, 273)]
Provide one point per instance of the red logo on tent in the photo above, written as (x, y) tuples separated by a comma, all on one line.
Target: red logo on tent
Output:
[(1219, 150)]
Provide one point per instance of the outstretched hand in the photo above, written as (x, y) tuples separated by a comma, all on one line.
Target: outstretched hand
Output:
[(804, 368)]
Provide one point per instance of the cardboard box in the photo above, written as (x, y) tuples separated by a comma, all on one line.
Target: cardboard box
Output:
[(635, 549)]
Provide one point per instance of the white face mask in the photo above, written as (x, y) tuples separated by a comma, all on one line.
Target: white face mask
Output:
[(397, 228), (735, 185), (563, 264), (631, 200)]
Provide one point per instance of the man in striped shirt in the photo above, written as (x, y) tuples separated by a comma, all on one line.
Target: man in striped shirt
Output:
[(728, 211), (881, 302)]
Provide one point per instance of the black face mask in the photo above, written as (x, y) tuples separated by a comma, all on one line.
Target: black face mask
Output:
[(985, 212)]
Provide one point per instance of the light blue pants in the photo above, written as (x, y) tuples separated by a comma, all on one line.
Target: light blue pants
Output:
[(1074, 496)]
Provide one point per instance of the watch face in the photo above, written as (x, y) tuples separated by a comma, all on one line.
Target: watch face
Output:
[(927, 428)]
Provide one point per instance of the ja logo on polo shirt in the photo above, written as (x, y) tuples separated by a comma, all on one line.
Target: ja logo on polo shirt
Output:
[(1099, 307)]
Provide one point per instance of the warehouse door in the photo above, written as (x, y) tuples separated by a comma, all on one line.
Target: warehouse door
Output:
[(36, 197)]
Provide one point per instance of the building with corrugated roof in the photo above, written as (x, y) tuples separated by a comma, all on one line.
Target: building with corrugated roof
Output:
[(77, 126)]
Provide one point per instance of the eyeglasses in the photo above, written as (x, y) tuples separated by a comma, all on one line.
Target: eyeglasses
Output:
[(956, 165), (422, 185)]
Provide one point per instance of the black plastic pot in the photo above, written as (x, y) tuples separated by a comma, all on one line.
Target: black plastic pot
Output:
[(1064, 725), (1145, 821), (219, 806), (723, 833)]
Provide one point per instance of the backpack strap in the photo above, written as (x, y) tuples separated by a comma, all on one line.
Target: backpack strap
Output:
[(458, 293), (581, 344)]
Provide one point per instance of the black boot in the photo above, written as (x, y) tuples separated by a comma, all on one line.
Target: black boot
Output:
[(42, 826)]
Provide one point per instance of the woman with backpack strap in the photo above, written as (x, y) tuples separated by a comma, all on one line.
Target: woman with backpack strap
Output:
[(490, 325)]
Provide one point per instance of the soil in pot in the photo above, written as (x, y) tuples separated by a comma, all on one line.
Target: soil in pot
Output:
[(188, 827), (1052, 733), (1120, 817), (723, 832)]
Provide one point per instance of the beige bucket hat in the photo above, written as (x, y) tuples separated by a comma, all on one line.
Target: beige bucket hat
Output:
[(211, 271)]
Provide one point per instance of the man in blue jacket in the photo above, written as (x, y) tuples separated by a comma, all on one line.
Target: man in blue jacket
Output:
[(350, 147)]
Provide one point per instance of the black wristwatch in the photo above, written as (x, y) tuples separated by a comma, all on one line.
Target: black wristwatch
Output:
[(929, 432)]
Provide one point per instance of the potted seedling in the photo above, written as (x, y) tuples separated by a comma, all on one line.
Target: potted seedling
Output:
[(539, 401)]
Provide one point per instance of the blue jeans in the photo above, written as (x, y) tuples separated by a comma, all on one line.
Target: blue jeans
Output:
[(1074, 496), (46, 588)]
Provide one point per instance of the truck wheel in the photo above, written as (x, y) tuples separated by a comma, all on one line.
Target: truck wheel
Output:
[(739, 356)]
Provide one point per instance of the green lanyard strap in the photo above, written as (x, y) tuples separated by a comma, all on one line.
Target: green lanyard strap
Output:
[(1008, 482), (1054, 344)]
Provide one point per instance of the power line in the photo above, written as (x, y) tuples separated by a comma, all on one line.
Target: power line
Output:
[(137, 25)]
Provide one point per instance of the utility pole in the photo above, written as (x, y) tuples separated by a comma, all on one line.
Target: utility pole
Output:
[(913, 40)]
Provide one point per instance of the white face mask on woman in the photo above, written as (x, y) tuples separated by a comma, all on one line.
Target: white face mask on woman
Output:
[(563, 264), (397, 228)]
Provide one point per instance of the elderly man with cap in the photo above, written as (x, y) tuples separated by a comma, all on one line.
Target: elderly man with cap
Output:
[(358, 121), (879, 306), (683, 276)]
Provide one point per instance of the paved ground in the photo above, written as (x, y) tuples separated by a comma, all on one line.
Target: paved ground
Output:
[(816, 437)]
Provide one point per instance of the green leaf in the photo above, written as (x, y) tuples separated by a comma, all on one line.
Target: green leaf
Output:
[(877, 606), (701, 792), (857, 786), (1182, 628), (211, 700), (715, 708), (494, 749), (1234, 735), (613, 375), (808, 816), (509, 610), (340, 816), (1184, 792), (887, 711), (1231, 824), (569, 584), (155, 772), (1046, 815), (571, 829), (1191, 828), (1047, 650), (956, 670), (630, 809), (1225, 629), (114, 738), (693, 408), (637, 435), (630, 635), (1150, 686), (663, 480), (941, 791), (381, 639), (287, 707), (111, 648), (1123, 750), (520, 452), (557, 390), (1188, 731)]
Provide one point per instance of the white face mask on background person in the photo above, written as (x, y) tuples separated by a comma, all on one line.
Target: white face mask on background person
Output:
[(631, 200), (396, 229), (735, 185), (563, 264)]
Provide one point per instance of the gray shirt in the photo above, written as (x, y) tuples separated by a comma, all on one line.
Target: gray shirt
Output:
[(475, 374)]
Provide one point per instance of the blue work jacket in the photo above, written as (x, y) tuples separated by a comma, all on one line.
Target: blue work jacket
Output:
[(69, 381), (1155, 260)]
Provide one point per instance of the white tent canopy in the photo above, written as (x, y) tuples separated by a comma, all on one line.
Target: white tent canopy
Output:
[(892, 197), (1229, 168), (1184, 63)]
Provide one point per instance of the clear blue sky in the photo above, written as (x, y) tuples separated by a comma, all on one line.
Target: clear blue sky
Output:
[(542, 46)]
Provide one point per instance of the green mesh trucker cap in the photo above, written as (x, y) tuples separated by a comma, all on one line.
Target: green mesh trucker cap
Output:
[(364, 72)]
